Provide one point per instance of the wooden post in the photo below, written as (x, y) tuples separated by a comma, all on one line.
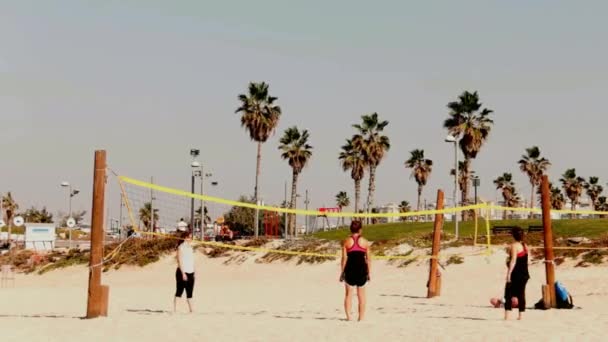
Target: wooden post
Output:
[(475, 216), (548, 241), (97, 301), (434, 285)]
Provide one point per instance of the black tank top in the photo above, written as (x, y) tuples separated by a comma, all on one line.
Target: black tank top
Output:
[(520, 271)]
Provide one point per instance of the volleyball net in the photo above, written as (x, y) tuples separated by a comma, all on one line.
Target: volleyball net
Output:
[(156, 210)]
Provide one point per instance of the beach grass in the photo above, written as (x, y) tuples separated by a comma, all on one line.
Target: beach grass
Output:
[(564, 228)]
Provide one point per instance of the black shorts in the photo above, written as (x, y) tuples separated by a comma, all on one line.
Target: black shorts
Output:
[(356, 280), (182, 285)]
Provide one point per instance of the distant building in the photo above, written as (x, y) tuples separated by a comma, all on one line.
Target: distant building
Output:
[(389, 208)]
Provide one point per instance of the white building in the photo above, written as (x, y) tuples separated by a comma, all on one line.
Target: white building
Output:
[(389, 208)]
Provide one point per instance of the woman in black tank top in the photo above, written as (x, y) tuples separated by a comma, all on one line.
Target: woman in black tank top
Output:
[(517, 273)]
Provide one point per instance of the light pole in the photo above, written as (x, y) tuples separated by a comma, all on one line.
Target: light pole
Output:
[(194, 165), (454, 140), (306, 217), (202, 175), (295, 217), (285, 214), (71, 193)]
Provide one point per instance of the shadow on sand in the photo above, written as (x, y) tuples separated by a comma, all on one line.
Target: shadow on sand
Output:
[(42, 316), (402, 296)]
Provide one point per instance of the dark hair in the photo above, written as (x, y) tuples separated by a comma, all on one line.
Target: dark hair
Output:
[(355, 226), (518, 234), (182, 236)]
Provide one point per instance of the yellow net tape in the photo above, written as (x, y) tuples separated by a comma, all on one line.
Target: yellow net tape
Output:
[(485, 207)]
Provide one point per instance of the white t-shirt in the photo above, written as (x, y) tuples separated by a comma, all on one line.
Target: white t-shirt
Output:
[(186, 257), (182, 226)]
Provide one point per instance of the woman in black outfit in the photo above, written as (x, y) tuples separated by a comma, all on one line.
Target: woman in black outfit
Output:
[(355, 268), (517, 274)]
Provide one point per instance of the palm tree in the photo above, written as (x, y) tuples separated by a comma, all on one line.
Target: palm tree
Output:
[(535, 167), (260, 116), (351, 158), (145, 215), (421, 170), (463, 175), (34, 215), (404, 207), (573, 186), (198, 216), (505, 184), (296, 150), (594, 189), (472, 124), (557, 198), (602, 205), (342, 201), (10, 208), (373, 145)]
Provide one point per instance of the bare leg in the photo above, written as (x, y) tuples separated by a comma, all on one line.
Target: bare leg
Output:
[(189, 304), (174, 304), (347, 300), (506, 315), (362, 301)]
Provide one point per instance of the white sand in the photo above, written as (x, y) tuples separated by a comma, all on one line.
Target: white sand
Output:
[(287, 302)]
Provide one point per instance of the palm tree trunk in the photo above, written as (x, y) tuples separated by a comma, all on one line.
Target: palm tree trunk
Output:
[(573, 207), (371, 189), (532, 200), (292, 217), (504, 212), (9, 218), (418, 204), (257, 171), (465, 188), (357, 194)]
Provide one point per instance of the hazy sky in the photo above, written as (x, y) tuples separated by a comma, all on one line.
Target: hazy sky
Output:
[(148, 80)]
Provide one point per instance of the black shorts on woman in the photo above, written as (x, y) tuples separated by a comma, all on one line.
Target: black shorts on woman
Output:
[(181, 284)]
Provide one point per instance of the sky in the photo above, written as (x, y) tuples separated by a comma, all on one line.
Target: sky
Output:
[(148, 80)]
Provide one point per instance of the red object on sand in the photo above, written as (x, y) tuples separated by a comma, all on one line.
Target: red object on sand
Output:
[(514, 302)]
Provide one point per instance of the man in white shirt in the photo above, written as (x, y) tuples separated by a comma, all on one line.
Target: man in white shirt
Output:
[(182, 226)]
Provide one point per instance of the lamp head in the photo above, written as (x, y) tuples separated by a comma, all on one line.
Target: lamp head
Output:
[(65, 184), (450, 138), (195, 164)]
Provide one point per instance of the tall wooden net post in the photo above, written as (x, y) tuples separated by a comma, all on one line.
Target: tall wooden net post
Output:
[(97, 300), (434, 285), (548, 289)]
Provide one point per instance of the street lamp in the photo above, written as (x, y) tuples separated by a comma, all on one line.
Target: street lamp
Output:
[(306, 217), (195, 165), (200, 173), (71, 193), (454, 140)]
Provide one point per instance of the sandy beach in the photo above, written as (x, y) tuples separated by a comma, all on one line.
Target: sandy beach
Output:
[(284, 301)]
